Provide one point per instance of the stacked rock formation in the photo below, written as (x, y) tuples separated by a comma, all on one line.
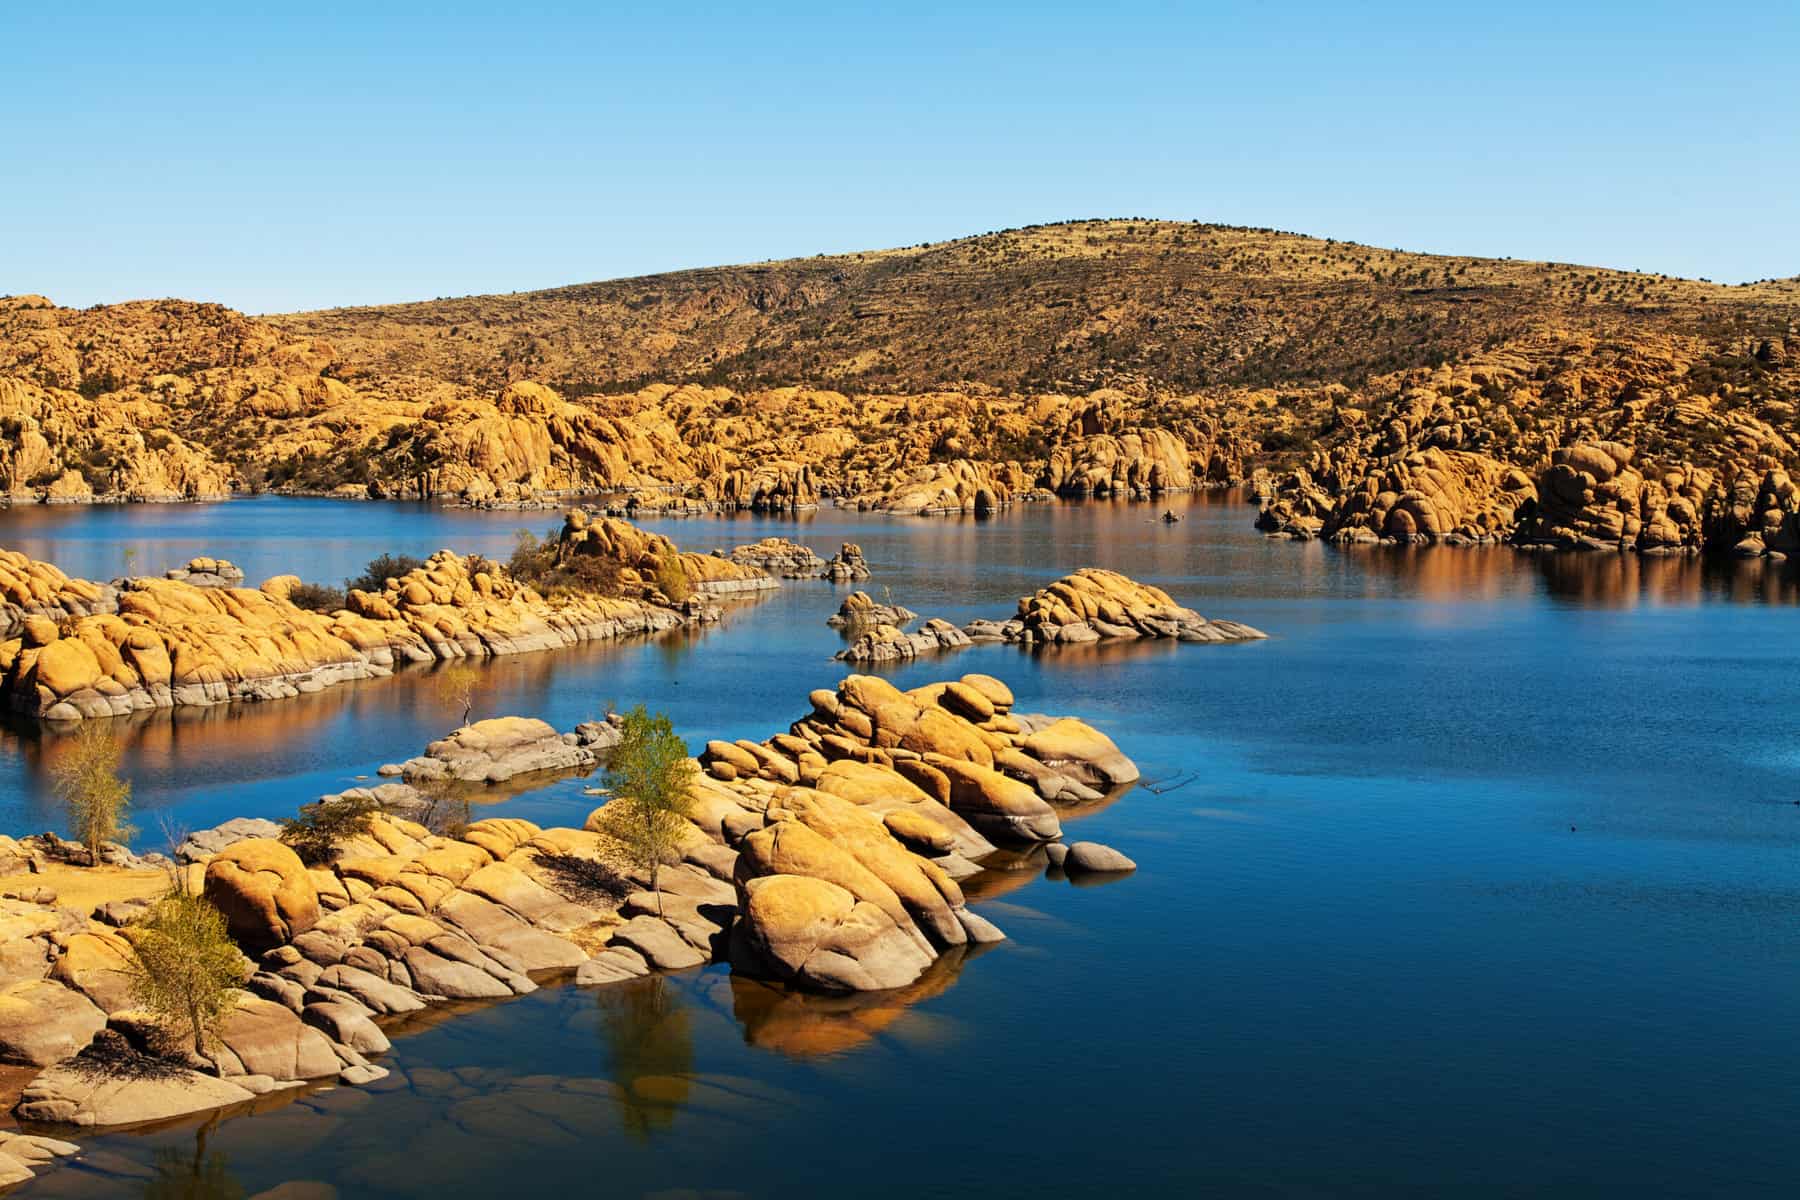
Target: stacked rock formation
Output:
[(1757, 519), (943, 487), (1571, 446), (860, 609), (847, 565), (499, 748), (1137, 464), (778, 485), (29, 588), (207, 572), (1093, 605)]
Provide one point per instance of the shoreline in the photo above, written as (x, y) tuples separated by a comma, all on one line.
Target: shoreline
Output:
[(606, 504)]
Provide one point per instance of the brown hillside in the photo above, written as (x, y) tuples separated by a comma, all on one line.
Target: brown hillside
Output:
[(1368, 394), (1066, 307)]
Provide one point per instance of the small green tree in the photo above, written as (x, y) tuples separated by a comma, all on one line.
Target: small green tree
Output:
[(186, 965), (456, 685), (651, 778), (87, 781)]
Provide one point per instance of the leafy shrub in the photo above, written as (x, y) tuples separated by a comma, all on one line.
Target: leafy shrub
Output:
[(87, 781), (185, 966), (671, 580), (317, 597), (321, 827), (375, 576), (544, 566)]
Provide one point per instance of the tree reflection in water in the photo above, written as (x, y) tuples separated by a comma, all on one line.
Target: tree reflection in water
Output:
[(648, 1043), (196, 1176)]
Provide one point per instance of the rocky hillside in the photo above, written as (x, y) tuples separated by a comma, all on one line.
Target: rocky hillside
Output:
[(1071, 307), (1372, 394)]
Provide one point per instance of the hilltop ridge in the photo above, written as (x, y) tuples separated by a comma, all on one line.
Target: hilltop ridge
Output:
[(1364, 394), (1067, 307)]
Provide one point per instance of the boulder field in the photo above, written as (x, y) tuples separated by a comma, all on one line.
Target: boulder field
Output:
[(1558, 444), (824, 859), (76, 649)]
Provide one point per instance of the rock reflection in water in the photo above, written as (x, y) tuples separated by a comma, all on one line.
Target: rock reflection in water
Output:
[(1593, 579), (806, 1024)]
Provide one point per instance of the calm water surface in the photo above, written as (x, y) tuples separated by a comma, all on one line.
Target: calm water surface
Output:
[(1481, 877)]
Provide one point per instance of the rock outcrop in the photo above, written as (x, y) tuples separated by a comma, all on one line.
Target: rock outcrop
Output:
[(781, 558), (886, 644), (1555, 444), (161, 643), (1093, 605), (860, 610), (641, 555), (944, 487), (848, 565), (497, 749), (825, 858)]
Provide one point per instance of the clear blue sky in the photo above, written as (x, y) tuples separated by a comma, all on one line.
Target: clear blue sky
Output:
[(338, 154)]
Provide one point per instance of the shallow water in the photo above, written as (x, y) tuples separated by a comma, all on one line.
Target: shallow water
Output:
[(1478, 877)]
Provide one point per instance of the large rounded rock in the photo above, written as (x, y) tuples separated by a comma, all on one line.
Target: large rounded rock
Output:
[(996, 805), (1078, 749), (265, 892), (1094, 857), (261, 1037), (67, 665), (927, 895), (816, 934), (77, 1093), (42, 1022)]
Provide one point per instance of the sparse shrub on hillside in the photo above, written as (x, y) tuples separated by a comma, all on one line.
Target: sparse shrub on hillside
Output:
[(544, 566), (375, 576), (317, 597), (671, 580), (321, 827)]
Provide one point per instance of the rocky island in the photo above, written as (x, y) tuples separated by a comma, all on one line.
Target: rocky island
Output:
[(78, 649)]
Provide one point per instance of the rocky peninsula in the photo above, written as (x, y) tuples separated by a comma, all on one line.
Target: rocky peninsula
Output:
[(78, 649), (825, 858)]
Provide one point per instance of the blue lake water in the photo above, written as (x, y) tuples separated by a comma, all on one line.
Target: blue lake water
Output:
[(1480, 877)]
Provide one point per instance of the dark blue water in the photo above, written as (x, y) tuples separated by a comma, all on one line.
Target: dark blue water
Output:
[(1481, 877)]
